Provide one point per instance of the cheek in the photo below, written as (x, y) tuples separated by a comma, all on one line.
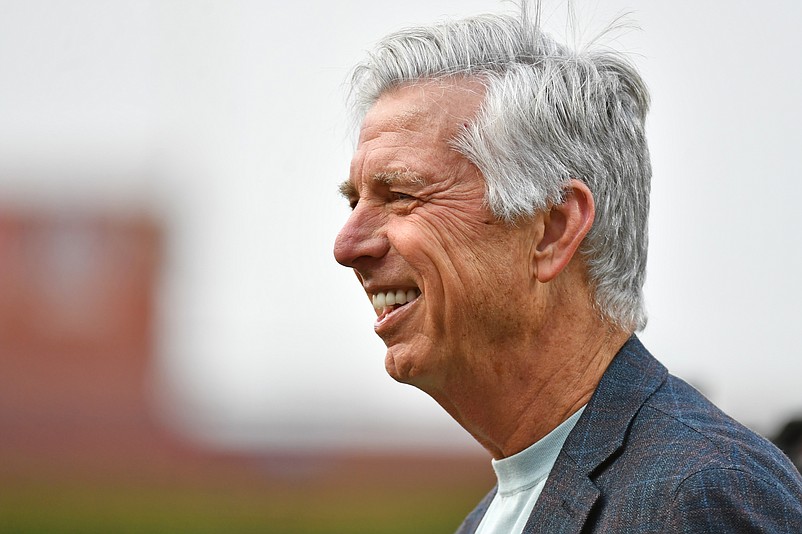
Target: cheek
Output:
[(433, 243), (449, 226), (458, 253)]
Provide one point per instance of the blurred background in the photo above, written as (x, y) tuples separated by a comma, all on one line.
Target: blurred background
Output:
[(179, 352)]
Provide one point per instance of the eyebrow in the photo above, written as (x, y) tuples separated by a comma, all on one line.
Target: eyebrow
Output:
[(400, 177), (348, 190)]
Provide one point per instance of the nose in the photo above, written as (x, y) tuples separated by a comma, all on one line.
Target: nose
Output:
[(361, 238)]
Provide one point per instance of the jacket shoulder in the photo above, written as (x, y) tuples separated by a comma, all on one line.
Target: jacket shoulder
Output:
[(681, 423), (698, 470), (728, 499)]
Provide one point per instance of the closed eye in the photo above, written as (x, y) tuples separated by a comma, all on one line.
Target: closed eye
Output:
[(395, 195)]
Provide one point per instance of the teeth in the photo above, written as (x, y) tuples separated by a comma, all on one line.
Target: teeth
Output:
[(391, 298), (400, 297)]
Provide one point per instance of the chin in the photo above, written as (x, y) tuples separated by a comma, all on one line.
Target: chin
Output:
[(405, 365)]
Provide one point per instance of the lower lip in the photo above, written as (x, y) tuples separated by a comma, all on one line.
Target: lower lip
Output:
[(393, 317)]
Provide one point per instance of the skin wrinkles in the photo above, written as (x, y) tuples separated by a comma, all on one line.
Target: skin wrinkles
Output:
[(448, 214), (486, 338)]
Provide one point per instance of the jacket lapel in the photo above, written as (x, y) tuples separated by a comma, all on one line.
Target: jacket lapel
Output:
[(565, 508), (570, 493)]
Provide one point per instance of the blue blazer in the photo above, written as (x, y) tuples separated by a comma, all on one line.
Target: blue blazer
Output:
[(651, 454)]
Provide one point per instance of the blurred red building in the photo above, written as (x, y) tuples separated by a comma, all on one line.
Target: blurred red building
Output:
[(83, 450), (76, 334)]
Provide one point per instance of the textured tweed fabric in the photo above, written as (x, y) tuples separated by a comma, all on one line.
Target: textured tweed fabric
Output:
[(651, 454)]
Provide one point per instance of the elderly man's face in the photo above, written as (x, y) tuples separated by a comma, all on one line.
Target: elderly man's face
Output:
[(447, 280)]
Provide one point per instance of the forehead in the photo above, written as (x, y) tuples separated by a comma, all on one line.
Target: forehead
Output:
[(436, 106), (410, 129)]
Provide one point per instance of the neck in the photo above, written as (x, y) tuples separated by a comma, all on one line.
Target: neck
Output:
[(519, 394)]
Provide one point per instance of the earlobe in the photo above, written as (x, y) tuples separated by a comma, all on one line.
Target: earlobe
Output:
[(564, 227)]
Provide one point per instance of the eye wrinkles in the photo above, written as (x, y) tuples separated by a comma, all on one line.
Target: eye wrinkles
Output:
[(401, 179)]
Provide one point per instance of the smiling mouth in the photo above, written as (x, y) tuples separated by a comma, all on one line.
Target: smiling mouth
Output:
[(386, 302)]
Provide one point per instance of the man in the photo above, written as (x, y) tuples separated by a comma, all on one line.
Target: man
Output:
[(499, 191)]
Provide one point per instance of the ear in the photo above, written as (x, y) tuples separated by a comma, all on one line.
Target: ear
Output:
[(564, 227)]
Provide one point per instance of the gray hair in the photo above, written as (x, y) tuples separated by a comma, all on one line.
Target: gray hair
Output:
[(550, 114)]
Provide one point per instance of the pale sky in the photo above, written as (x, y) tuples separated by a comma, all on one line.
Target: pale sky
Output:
[(226, 120)]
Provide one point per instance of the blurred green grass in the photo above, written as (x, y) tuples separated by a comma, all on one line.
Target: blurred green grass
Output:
[(352, 507)]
